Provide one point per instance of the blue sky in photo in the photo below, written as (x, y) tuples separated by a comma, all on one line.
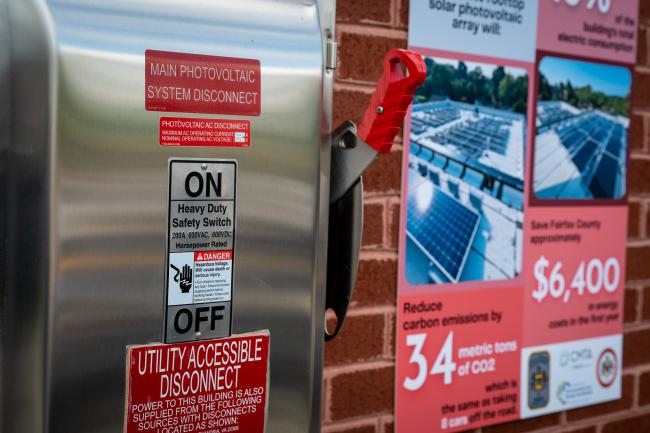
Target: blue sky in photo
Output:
[(611, 80), (486, 68)]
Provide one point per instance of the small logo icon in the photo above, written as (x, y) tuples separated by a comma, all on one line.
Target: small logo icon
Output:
[(607, 368), (183, 278), (538, 379), (562, 391), (240, 137), (565, 357)]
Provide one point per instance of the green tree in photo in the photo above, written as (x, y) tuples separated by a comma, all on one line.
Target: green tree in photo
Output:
[(500, 90), (585, 97)]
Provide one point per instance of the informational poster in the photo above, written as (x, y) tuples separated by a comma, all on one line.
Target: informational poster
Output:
[(514, 211)]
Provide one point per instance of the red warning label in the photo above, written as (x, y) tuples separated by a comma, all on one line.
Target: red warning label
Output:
[(208, 256), (180, 131), (193, 83), (216, 386)]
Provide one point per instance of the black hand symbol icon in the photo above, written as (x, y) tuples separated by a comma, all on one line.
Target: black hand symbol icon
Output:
[(186, 279), (185, 283)]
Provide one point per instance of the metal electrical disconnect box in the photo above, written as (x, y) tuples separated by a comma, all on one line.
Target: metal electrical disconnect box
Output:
[(107, 166)]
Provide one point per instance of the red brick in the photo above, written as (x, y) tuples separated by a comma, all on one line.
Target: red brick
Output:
[(364, 429), (641, 89), (642, 46), (631, 301), (349, 105), (384, 175), (636, 348), (637, 132), (361, 56), (638, 263), (389, 427), (633, 220), (346, 347), (645, 306), (639, 175), (525, 425), (404, 13), (363, 11), (584, 430), (393, 225), (376, 282), (629, 425), (373, 225), (644, 389), (362, 392), (613, 406), (370, 428), (644, 10)]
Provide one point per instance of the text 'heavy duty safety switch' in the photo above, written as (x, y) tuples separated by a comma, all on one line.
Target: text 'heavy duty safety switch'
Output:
[(177, 203)]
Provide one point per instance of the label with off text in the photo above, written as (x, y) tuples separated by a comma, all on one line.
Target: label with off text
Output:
[(200, 249)]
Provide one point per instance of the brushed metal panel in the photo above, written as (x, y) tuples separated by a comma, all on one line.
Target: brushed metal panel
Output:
[(109, 197), (25, 176)]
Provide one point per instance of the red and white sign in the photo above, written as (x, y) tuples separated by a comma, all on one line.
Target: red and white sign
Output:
[(193, 83), (216, 386), (209, 256), (183, 131)]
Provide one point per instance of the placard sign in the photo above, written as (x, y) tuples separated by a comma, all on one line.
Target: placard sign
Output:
[(514, 211), (197, 83), (184, 131), (200, 248), (215, 386)]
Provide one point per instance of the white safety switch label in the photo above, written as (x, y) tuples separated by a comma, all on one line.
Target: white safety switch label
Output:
[(200, 249)]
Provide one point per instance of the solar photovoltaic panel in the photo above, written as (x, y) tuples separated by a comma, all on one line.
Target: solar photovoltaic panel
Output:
[(597, 145), (600, 134), (614, 146), (585, 154), (441, 226), (604, 181), (573, 140)]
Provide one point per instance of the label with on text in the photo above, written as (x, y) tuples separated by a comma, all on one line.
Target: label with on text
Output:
[(200, 249), (193, 83), (215, 386)]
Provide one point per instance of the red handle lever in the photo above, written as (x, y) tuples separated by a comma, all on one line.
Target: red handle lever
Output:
[(391, 99)]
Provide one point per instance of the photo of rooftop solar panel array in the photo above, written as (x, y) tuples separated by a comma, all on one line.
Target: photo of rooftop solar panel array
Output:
[(465, 182), (582, 127), (591, 163)]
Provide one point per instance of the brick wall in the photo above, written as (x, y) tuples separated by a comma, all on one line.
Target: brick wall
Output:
[(359, 363)]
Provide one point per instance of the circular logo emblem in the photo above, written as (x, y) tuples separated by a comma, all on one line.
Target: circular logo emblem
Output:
[(607, 368)]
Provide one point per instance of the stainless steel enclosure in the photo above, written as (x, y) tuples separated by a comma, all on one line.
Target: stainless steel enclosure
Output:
[(83, 197)]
